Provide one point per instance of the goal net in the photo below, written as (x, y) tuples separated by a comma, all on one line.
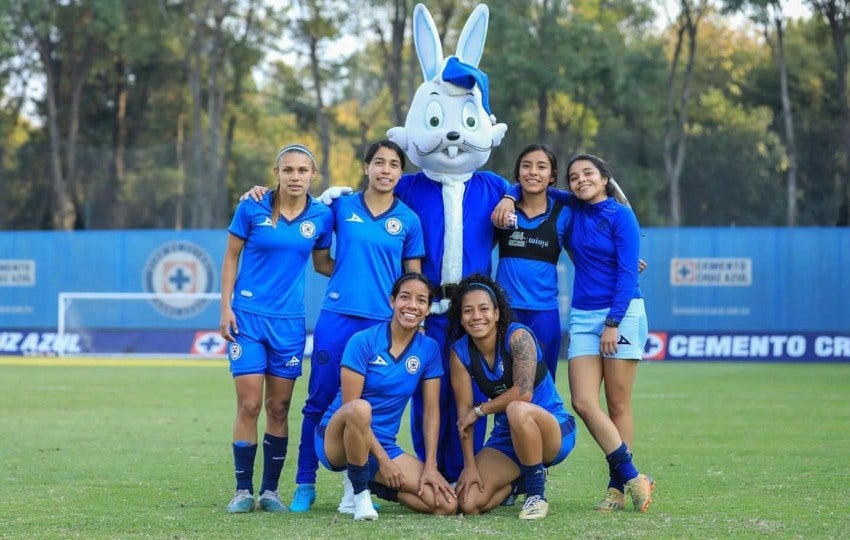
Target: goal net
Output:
[(161, 324)]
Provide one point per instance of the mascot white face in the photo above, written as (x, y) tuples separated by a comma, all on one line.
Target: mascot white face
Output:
[(449, 128)]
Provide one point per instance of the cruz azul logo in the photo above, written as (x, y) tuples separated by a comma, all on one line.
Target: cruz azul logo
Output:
[(179, 267)]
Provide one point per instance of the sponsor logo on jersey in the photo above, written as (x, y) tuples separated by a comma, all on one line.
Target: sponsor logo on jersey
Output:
[(393, 226), (378, 361), (267, 222), (308, 229), (412, 364), (354, 218), (179, 267), (234, 351)]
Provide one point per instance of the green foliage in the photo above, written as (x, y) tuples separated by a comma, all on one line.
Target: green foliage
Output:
[(122, 448)]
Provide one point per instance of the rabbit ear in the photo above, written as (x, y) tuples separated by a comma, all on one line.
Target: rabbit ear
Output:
[(427, 42), (470, 45)]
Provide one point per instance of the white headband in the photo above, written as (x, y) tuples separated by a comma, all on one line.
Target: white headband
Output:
[(296, 148)]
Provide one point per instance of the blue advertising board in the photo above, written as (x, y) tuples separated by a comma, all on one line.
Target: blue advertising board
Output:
[(776, 294)]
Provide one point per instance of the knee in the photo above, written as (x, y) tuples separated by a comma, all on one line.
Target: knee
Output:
[(445, 508), (517, 412), (470, 508), (583, 407), (249, 408), (278, 407), (358, 411)]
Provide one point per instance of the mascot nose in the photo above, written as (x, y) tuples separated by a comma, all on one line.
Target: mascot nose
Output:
[(453, 135)]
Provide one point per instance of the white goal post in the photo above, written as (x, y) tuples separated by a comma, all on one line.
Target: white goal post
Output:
[(184, 306)]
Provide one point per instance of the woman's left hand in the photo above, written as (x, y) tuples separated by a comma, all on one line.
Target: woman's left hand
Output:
[(464, 422)]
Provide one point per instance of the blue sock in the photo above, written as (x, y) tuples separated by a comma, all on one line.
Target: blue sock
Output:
[(614, 480), (308, 462), (621, 461), (359, 477), (274, 454), (384, 492), (243, 463), (535, 480)]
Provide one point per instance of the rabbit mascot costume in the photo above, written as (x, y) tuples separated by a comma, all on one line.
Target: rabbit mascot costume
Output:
[(449, 133)]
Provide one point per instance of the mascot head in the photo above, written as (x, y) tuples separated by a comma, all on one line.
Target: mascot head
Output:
[(449, 127)]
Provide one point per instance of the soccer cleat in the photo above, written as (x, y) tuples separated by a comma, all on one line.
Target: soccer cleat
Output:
[(614, 500), (270, 502), (363, 509), (303, 498), (534, 507), (640, 488), (242, 502)]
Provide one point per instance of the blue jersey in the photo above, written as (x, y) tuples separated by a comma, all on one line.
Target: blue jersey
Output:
[(369, 254), (530, 281), (270, 281), (482, 193), (389, 381), (545, 394)]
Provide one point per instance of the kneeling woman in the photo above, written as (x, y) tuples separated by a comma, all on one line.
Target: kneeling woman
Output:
[(532, 428), (379, 371)]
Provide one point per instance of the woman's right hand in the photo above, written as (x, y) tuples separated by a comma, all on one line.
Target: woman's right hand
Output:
[(501, 216), (391, 472), (255, 193), (227, 326)]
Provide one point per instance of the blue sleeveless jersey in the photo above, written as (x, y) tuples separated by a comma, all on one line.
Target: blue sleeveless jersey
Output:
[(481, 194), (270, 280), (389, 381), (545, 394), (533, 284), (369, 253)]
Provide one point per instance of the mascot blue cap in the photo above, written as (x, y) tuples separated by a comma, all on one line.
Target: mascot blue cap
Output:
[(467, 76)]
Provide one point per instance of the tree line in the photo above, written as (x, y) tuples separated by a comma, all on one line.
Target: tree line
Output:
[(158, 114)]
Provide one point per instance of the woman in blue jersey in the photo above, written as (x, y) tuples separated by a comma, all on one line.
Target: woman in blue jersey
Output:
[(608, 326), (528, 254), (532, 428), (262, 315), (380, 369)]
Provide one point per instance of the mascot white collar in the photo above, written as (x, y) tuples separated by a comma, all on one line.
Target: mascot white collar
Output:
[(450, 131)]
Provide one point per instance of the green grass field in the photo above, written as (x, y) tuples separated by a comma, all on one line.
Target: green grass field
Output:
[(141, 449)]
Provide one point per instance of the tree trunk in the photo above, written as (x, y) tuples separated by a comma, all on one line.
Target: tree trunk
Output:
[(321, 116), (790, 143), (115, 190), (675, 136)]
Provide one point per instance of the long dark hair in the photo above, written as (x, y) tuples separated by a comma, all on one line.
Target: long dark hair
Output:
[(407, 277), (479, 282)]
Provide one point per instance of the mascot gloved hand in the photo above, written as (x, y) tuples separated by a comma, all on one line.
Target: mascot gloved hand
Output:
[(449, 133)]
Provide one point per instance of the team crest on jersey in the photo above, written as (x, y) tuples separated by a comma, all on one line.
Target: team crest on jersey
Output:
[(412, 364), (179, 267), (393, 226), (235, 351), (308, 229)]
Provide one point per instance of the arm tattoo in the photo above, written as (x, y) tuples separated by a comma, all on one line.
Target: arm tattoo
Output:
[(525, 360)]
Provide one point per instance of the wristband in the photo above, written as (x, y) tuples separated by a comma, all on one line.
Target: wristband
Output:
[(478, 412), (611, 322)]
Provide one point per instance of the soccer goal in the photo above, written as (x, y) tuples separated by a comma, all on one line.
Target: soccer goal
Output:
[(104, 323)]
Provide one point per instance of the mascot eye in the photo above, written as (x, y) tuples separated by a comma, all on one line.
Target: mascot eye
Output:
[(470, 116), (434, 114)]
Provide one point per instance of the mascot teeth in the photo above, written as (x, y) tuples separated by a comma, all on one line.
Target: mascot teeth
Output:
[(452, 151)]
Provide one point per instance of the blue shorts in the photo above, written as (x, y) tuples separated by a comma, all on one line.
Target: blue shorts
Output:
[(586, 329), (500, 439), (393, 451), (267, 345)]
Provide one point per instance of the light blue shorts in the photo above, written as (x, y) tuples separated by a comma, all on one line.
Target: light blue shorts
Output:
[(586, 329), (267, 345)]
